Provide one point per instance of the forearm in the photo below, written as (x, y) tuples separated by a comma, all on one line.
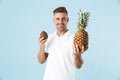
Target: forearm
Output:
[(78, 61), (42, 56)]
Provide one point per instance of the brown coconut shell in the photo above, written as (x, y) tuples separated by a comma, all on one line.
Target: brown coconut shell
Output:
[(44, 35)]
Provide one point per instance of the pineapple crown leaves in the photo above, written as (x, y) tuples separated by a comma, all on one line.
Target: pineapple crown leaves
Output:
[(83, 19)]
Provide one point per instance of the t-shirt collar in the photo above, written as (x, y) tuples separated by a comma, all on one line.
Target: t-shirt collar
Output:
[(65, 34)]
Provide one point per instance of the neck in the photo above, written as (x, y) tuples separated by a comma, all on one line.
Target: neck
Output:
[(60, 33)]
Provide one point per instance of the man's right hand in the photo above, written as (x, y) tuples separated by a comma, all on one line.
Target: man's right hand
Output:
[(42, 56), (41, 42)]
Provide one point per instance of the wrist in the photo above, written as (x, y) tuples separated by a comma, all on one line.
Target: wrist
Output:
[(41, 49), (77, 55)]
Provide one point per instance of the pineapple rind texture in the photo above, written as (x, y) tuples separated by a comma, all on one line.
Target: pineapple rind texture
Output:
[(81, 36), (81, 39)]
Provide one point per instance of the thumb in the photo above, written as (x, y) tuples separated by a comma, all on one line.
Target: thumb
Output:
[(83, 48)]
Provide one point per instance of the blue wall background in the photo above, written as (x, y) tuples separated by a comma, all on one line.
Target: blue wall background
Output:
[(21, 21)]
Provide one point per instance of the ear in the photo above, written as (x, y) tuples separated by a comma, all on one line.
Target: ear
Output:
[(68, 19)]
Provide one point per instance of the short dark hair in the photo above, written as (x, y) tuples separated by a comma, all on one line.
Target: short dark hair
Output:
[(60, 9)]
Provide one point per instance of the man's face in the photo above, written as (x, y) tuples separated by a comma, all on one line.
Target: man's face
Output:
[(61, 20)]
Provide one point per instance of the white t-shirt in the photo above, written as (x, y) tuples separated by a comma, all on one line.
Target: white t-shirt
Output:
[(60, 65)]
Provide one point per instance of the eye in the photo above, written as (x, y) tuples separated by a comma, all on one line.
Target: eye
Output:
[(57, 19), (63, 19)]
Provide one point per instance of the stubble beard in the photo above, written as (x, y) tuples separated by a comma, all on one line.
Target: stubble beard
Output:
[(61, 27)]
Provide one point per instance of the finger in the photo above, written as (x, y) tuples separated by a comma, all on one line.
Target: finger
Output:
[(83, 49), (43, 41), (74, 51), (39, 40), (77, 49), (73, 47)]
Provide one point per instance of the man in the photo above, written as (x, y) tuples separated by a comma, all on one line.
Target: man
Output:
[(61, 55)]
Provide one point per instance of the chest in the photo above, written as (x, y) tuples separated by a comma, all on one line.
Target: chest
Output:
[(60, 46)]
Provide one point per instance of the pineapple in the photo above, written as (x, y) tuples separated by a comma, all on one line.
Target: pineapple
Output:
[(81, 36)]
